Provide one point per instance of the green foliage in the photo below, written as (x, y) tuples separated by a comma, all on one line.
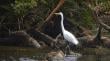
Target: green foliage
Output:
[(106, 5), (87, 18), (21, 7), (16, 15), (44, 1), (78, 13), (74, 10)]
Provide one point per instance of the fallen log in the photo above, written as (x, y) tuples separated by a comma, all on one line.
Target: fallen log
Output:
[(33, 37), (22, 35), (30, 37), (19, 38), (41, 37)]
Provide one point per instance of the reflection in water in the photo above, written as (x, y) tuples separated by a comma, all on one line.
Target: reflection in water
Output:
[(71, 58), (30, 54), (18, 59), (26, 59), (67, 58), (94, 58)]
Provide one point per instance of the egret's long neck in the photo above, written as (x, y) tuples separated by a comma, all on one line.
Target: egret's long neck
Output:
[(62, 26)]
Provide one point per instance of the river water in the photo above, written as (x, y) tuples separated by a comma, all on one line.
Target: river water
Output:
[(32, 54), (34, 58)]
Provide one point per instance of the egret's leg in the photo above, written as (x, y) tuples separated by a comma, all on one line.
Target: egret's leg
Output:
[(68, 46), (67, 49)]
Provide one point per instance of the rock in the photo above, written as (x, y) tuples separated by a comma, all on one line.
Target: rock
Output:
[(106, 41), (53, 56)]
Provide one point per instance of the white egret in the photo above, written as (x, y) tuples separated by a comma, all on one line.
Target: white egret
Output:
[(69, 37)]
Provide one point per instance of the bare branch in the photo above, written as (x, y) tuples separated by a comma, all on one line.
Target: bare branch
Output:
[(61, 2), (97, 38), (99, 20)]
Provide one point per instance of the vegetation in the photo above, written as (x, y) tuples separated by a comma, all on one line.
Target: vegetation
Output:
[(23, 14), (20, 21)]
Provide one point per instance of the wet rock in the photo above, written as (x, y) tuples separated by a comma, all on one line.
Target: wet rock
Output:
[(56, 56), (106, 41)]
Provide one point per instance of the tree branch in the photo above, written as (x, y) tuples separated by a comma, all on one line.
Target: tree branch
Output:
[(61, 2), (99, 20)]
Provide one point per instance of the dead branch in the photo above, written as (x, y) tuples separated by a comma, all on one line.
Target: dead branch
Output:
[(99, 20), (26, 38), (61, 2), (97, 38), (19, 38), (30, 38), (104, 25), (96, 12), (41, 37)]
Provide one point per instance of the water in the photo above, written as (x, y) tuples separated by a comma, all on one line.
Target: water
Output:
[(71, 58), (32, 54)]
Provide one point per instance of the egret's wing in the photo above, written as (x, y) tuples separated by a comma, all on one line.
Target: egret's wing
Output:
[(71, 38)]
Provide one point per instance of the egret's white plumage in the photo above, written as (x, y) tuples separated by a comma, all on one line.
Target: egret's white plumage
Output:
[(67, 35)]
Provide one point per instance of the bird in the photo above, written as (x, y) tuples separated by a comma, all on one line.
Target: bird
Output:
[(68, 36)]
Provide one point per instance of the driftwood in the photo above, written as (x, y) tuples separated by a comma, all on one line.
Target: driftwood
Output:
[(95, 40), (99, 20), (26, 38), (98, 36), (41, 37), (104, 25), (30, 37), (19, 38), (96, 13), (33, 36), (104, 40)]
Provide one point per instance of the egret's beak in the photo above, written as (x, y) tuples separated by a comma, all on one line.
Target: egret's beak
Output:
[(56, 13)]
